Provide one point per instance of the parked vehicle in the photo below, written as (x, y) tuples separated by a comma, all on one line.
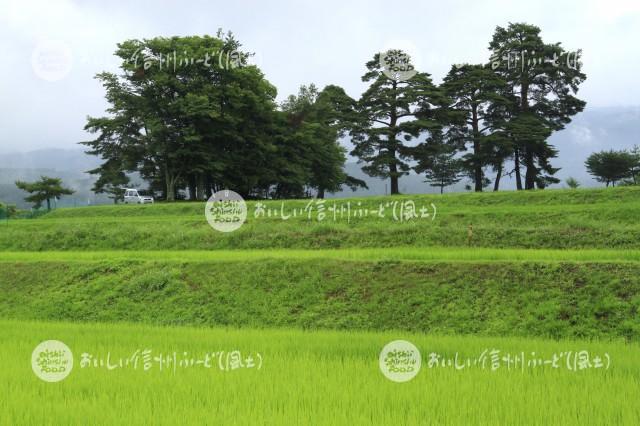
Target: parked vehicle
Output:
[(137, 196)]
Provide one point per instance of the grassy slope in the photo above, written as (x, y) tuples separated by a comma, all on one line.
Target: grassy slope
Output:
[(320, 378), (551, 292), (551, 299), (550, 219)]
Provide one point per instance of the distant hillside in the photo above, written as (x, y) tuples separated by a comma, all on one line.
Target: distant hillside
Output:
[(75, 179), (68, 164)]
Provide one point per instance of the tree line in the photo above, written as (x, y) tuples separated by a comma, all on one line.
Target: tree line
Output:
[(202, 122)]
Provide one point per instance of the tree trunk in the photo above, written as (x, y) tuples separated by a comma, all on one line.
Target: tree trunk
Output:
[(516, 159), (530, 176), (200, 187), (48, 204), (477, 164), (393, 167), (496, 185), (531, 172), (171, 191), (394, 179), (320, 193), (208, 183), (171, 180), (193, 191)]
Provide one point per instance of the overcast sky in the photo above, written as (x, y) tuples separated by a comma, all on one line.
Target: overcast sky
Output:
[(324, 42)]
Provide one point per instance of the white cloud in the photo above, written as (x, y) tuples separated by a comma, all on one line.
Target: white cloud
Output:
[(322, 42), (581, 135)]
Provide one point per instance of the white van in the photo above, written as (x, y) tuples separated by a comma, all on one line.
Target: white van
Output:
[(137, 196)]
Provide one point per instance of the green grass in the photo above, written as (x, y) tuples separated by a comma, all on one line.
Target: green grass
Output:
[(550, 299), (320, 378), (427, 254), (319, 300), (583, 219)]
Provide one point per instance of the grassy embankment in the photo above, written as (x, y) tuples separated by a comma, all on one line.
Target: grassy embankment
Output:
[(581, 219), (105, 264)]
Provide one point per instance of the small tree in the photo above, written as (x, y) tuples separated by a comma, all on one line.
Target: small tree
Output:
[(437, 160), (572, 183), (7, 210), (446, 170), (611, 166), (43, 190)]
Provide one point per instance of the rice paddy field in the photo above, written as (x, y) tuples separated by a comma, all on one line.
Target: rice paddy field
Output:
[(319, 377), (547, 287)]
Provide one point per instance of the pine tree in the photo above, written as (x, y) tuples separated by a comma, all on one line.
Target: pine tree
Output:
[(475, 91), (394, 110), (437, 160), (542, 80), (44, 190)]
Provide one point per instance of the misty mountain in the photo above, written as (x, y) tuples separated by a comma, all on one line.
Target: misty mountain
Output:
[(70, 165)]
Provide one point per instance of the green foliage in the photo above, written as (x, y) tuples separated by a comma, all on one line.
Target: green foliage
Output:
[(162, 118), (7, 211), (475, 93), (526, 298), (204, 128), (111, 180), (211, 127), (389, 113), (438, 161), (43, 190), (613, 166), (542, 79), (572, 183), (314, 157)]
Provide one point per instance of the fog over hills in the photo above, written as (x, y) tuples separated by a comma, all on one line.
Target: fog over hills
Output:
[(593, 130)]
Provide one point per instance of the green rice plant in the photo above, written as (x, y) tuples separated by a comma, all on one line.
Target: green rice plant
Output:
[(320, 378)]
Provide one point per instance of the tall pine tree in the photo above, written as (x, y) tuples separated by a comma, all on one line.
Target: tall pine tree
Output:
[(542, 79), (474, 91), (391, 112)]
